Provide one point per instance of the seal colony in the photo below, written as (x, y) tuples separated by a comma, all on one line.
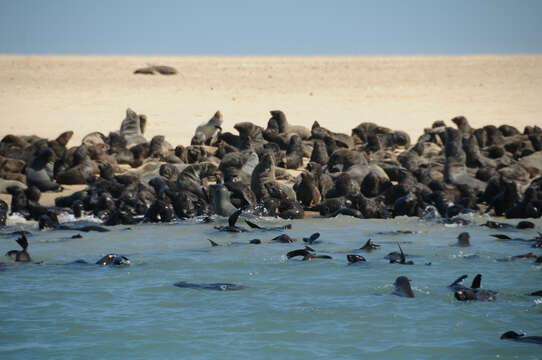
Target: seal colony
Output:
[(373, 173)]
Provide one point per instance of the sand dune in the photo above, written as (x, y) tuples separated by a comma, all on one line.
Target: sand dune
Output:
[(45, 95)]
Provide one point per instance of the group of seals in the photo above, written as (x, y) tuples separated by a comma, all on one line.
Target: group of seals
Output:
[(372, 173)]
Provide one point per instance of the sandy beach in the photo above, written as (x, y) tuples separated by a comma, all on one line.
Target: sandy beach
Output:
[(46, 95)]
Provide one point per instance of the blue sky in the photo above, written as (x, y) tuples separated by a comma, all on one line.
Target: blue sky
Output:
[(276, 27)]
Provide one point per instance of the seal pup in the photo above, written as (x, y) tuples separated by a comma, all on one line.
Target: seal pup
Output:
[(113, 259), (20, 255), (402, 287), (211, 286), (352, 259), (307, 253), (268, 228), (231, 223), (512, 335)]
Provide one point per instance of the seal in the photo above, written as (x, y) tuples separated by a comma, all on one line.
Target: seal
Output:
[(208, 133), (402, 258), (312, 239), (20, 255), (211, 286), (352, 259), (473, 293), (512, 335), (113, 259), (221, 200), (457, 284), (40, 172), (370, 246), (402, 287), (268, 228), (307, 191), (463, 240), (307, 253)]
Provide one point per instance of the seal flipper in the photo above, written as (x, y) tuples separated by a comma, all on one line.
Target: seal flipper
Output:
[(233, 218), (476, 282), (12, 253), (312, 238), (23, 242), (252, 225), (458, 280), (501, 236)]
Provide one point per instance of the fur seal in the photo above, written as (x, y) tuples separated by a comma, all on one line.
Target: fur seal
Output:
[(463, 240), (268, 228), (279, 123), (352, 259), (512, 335), (370, 246), (473, 293), (307, 191), (402, 287), (132, 128), (40, 172), (208, 133), (312, 239), (221, 200), (211, 286), (402, 258), (307, 253), (113, 259), (160, 69), (20, 255)]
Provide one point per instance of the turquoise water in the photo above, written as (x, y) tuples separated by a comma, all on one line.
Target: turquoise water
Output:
[(320, 309)]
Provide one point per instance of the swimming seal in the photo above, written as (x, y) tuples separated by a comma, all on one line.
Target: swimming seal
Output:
[(268, 228), (307, 253), (20, 255), (113, 259), (211, 286), (473, 293), (463, 240), (402, 287), (369, 246), (352, 259), (402, 258), (512, 335)]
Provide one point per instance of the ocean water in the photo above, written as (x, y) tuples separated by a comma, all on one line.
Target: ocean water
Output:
[(290, 309)]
